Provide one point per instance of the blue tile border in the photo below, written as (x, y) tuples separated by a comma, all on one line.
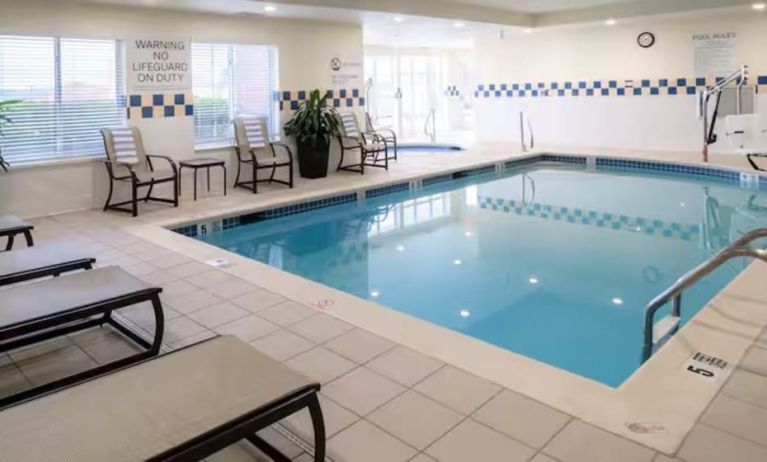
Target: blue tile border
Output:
[(474, 171), (437, 179), (387, 189), (600, 163), (691, 170)]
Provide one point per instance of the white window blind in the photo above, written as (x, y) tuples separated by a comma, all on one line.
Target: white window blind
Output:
[(231, 81), (69, 89)]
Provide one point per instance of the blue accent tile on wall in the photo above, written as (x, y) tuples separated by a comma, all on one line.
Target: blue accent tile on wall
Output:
[(147, 112), (170, 111), (301, 95), (179, 99), (135, 100), (189, 110), (158, 100)]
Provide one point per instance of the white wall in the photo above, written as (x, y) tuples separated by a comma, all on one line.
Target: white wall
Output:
[(599, 52), (305, 50)]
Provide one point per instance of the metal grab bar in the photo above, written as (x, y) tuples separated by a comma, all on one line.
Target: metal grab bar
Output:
[(739, 77), (433, 118), (522, 120), (670, 325)]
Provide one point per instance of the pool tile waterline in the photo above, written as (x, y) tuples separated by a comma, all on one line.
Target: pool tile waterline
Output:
[(504, 168)]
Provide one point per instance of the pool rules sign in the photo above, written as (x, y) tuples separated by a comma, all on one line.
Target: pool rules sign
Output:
[(158, 65)]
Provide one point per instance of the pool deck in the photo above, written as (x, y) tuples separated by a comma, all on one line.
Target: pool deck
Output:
[(398, 389)]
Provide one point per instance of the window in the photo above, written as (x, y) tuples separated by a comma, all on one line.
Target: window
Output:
[(69, 89), (231, 81)]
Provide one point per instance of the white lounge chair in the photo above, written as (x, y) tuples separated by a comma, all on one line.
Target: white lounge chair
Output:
[(254, 149)]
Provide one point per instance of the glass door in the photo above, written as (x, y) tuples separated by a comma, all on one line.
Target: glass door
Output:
[(381, 91), (406, 93), (419, 83)]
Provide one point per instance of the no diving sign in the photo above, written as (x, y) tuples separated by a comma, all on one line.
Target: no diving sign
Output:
[(706, 366)]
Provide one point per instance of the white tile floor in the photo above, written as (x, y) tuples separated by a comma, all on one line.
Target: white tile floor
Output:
[(382, 401)]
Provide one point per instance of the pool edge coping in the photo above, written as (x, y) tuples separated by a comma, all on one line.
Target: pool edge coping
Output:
[(569, 398)]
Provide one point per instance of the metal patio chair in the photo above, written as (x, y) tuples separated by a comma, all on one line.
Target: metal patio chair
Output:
[(128, 162), (372, 147), (254, 149), (388, 135)]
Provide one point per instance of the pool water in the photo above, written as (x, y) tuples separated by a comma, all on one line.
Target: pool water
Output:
[(552, 261)]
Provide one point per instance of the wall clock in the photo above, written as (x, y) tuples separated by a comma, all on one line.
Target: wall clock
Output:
[(646, 39)]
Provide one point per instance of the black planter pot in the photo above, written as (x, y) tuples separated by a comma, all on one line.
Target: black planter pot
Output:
[(313, 158)]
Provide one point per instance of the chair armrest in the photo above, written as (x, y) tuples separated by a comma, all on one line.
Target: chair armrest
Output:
[(285, 147), (170, 161), (110, 164), (382, 131), (356, 141)]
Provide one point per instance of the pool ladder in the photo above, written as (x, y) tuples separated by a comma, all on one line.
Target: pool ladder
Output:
[(656, 332)]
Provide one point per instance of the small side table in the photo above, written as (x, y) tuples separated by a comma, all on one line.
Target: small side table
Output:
[(196, 164), (10, 226)]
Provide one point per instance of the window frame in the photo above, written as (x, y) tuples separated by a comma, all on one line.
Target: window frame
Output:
[(273, 117), (120, 97)]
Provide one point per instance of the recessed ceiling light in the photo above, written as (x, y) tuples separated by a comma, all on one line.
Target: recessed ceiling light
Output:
[(528, 30), (759, 6), (682, 204), (400, 248), (533, 280), (465, 313), (467, 234), (611, 22), (457, 261), (398, 19), (617, 301), (270, 9), (459, 24)]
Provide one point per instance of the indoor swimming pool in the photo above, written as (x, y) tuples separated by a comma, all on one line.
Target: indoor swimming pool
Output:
[(555, 261)]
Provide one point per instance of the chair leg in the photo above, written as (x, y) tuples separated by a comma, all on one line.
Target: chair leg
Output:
[(274, 170), (109, 196), (134, 199), (255, 178), (237, 178), (28, 237), (149, 193), (176, 186), (315, 411), (341, 160), (291, 174), (9, 245)]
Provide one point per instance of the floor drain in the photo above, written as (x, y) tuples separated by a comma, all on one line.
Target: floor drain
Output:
[(646, 427), (219, 263)]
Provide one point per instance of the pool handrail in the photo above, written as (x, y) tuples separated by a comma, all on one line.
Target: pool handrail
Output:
[(739, 248)]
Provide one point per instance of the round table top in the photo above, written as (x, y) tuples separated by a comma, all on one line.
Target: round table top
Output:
[(202, 162)]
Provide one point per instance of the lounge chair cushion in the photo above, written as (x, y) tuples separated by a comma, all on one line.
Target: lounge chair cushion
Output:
[(266, 158), (124, 145), (349, 122), (157, 175), (10, 223), (32, 301), (254, 133), (142, 411), (375, 146)]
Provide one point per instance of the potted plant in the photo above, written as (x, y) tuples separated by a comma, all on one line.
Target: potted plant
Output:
[(313, 125), (5, 106)]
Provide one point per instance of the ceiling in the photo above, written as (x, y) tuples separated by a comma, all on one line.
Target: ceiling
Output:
[(426, 23), (542, 6)]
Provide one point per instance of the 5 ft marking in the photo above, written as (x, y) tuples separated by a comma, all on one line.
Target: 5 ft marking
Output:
[(323, 304)]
